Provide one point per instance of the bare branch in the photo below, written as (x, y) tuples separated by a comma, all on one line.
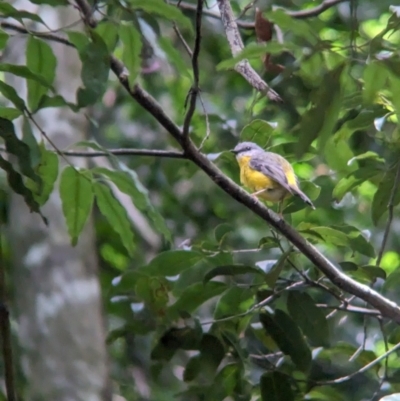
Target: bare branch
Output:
[(362, 370), (386, 307), (194, 90), (47, 36), (315, 11), (390, 216), (126, 152), (236, 45), (301, 14)]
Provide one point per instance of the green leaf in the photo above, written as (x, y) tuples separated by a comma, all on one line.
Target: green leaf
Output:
[(299, 28), (258, 131), (357, 241), (375, 76), (364, 120), (272, 275), (132, 47), (95, 69), (25, 72), (47, 169), (115, 214), (29, 138), (79, 40), (354, 179), (234, 301), (175, 57), (77, 200), (321, 118), (288, 337), (171, 263), (40, 60), (11, 94), (9, 113), (16, 183), (309, 317), (10, 12), (212, 353), (383, 193), (231, 270), (3, 39), (164, 10), (326, 234), (19, 149), (276, 386), (108, 31), (192, 368), (128, 182), (194, 296)]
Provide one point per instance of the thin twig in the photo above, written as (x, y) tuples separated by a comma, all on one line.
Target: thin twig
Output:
[(387, 307), (352, 309), (182, 39), (46, 36), (390, 215), (245, 9), (5, 331), (194, 90), (362, 370), (301, 14), (235, 42)]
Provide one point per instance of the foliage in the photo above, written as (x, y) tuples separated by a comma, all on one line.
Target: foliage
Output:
[(225, 307)]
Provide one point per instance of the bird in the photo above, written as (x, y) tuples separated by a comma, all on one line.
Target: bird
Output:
[(268, 174)]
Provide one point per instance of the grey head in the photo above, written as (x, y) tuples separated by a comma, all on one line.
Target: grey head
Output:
[(245, 149)]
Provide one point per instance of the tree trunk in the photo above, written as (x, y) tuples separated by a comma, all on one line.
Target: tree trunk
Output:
[(56, 287)]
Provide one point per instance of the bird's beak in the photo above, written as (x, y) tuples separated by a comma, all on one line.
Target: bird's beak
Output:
[(233, 151)]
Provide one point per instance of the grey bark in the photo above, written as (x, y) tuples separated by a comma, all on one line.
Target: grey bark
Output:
[(57, 292)]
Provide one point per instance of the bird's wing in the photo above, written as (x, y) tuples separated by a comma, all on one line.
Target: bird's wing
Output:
[(265, 165)]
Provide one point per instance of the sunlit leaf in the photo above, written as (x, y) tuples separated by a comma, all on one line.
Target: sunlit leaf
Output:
[(40, 60), (258, 131), (234, 301)]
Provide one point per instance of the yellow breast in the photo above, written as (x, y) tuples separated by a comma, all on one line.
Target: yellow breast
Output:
[(256, 181)]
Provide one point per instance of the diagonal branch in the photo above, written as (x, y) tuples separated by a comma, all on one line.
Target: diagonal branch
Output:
[(388, 308), (236, 44), (301, 14), (194, 90)]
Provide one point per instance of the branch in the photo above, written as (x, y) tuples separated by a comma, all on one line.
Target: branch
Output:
[(386, 307), (236, 44), (362, 370), (126, 152), (194, 90), (302, 14), (47, 36), (390, 216)]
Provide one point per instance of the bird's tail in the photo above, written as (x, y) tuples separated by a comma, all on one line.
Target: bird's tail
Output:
[(302, 195)]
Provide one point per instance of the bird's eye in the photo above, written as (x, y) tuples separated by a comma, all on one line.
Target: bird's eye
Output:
[(248, 148)]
